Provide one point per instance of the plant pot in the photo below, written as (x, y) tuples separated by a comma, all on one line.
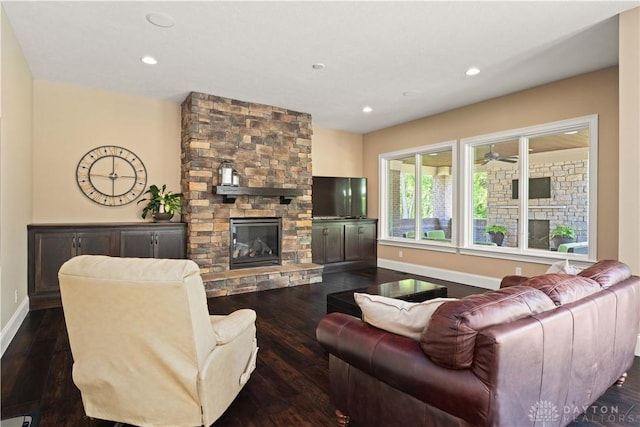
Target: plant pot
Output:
[(162, 217), (558, 240), (496, 238)]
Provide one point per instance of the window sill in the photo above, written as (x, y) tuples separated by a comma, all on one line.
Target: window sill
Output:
[(431, 245), (534, 257)]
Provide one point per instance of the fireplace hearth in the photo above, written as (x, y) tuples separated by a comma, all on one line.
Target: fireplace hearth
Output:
[(254, 242)]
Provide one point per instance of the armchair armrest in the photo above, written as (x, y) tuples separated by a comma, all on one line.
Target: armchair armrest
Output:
[(227, 328)]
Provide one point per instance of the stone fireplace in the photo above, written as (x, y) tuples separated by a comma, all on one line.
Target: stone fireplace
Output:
[(270, 148)]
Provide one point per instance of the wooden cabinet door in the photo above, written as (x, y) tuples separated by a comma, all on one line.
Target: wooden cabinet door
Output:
[(137, 244), (359, 241), (318, 244), (333, 242), (170, 243), (352, 242), (96, 242), (367, 236), (327, 242), (51, 250)]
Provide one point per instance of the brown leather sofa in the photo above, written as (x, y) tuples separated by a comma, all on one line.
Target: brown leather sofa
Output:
[(537, 352)]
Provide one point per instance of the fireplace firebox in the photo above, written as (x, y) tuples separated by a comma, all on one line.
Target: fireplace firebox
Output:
[(254, 242)]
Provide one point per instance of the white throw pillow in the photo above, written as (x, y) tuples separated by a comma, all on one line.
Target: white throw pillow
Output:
[(399, 317), (562, 267)]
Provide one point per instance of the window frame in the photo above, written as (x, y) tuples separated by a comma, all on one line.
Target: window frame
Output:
[(384, 161), (462, 194), (522, 252)]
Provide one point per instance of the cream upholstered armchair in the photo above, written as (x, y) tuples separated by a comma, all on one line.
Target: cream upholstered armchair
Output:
[(145, 350)]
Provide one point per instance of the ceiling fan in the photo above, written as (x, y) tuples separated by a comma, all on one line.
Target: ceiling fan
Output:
[(492, 155)]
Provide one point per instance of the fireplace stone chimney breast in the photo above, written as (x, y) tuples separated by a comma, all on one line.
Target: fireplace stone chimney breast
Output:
[(270, 147)]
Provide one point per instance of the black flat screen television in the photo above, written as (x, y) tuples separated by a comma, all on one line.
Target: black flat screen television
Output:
[(339, 197)]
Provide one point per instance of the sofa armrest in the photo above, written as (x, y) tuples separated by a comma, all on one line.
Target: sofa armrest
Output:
[(227, 328), (400, 362)]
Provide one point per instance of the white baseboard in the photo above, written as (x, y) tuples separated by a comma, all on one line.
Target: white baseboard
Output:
[(11, 328), (442, 274), (638, 346)]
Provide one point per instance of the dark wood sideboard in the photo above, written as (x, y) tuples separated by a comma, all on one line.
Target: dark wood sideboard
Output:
[(50, 245), (342, 244)]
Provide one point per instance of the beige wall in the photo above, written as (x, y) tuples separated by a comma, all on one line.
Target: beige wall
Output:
[(336, 153), (70, 120), (593, 93), (15, 171), (629, 54)]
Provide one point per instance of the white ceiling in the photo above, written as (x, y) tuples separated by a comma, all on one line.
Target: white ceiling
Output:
[(373, 51)]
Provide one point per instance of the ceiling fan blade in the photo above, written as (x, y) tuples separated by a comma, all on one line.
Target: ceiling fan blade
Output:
[(507, 159)]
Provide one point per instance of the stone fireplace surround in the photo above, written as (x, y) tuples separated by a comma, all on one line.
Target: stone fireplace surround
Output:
[(270, 147)]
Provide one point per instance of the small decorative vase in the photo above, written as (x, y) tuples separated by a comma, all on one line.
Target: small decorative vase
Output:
[(496, 238), (162, 216)]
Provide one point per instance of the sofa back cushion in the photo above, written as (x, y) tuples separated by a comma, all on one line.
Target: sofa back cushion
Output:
[(564, 288), (607, 272), (449, 339)]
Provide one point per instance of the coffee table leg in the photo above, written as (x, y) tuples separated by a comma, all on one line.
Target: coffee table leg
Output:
[(343, 420)]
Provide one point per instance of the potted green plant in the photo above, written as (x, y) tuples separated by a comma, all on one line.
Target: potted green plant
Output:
[(496, 233), (563, 234), (161, 203)]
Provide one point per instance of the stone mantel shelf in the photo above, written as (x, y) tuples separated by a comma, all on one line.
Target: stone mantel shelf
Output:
[(230, 193)]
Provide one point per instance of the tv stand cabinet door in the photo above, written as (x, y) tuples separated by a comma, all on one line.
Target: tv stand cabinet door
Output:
[(360, 241), (327, 242)]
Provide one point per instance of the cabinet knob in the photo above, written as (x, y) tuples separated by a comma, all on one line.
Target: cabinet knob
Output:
[(156, 238), (73, 242), (79, 242)]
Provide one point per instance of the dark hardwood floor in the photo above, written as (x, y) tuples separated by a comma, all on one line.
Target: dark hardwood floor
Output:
[(289, 386)]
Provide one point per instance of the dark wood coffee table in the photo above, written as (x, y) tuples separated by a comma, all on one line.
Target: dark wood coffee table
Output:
[(411, 290)]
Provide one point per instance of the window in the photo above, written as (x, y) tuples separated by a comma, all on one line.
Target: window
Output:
[(418, 189), (524, 193), (553, 166)]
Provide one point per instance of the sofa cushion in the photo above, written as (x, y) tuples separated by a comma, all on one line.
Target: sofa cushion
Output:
[(449, 339), (564, 288), (399, 317), (512, 280), (607, 272)]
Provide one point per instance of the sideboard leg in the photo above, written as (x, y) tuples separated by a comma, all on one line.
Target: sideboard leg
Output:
[(621, 380), (343, 420)]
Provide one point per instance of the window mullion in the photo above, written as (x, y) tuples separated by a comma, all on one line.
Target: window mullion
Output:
[(523, 214), (417, 191)]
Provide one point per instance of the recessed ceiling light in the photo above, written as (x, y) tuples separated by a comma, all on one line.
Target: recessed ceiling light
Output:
[(571, 132), (367, 109), (149, 60), (472, 71), (161, 20), (318, 66)]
